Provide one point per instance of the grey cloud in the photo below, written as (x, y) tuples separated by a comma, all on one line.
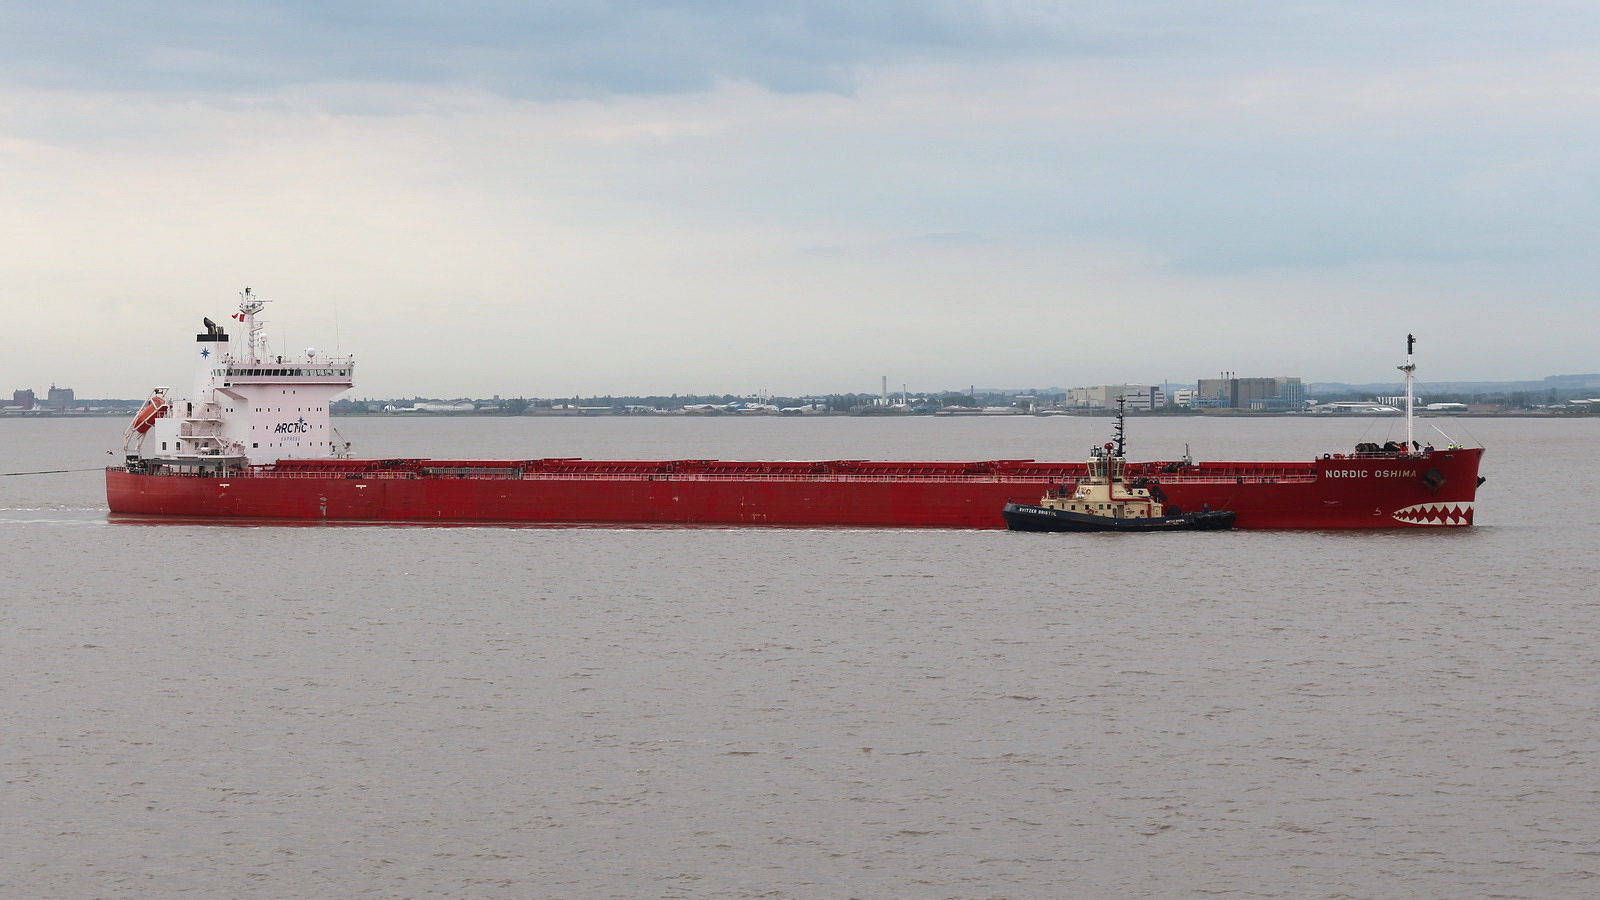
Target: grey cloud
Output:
[(608, 47), (528, 49)]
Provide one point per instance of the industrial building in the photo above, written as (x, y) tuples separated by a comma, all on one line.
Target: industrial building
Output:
[(59, 398), (1104, 396), (1231, 392)]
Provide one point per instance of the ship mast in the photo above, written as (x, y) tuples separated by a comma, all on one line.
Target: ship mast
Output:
[(255, 341), (1411, 380), (1122, 405)]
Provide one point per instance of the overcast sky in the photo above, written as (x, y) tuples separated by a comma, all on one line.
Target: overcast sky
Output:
[(549, 199)]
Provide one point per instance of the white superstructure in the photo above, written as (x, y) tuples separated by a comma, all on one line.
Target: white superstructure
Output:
[(250, 405)]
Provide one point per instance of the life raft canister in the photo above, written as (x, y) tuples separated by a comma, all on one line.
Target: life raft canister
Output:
[(153, 409)]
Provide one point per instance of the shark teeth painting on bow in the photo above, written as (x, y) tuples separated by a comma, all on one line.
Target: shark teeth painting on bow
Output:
[(1436, 514)]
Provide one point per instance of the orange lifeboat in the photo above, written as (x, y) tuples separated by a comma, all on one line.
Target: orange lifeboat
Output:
[(153, 409)]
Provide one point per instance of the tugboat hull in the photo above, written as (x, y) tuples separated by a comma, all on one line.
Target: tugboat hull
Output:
[(1028, 517)]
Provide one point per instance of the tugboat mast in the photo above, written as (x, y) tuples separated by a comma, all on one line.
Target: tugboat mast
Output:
[(1122, 403), (1411, 379)]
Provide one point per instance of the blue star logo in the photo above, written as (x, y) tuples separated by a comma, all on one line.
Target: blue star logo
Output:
[(205, 351)]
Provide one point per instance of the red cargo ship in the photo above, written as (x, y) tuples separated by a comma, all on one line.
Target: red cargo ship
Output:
[(256, 442)]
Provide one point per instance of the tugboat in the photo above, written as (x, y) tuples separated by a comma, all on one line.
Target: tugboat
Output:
[(1105, 499)]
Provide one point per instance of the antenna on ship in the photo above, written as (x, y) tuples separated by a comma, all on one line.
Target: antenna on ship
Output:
[(1411, 379), (249, 305), (1122, 403)]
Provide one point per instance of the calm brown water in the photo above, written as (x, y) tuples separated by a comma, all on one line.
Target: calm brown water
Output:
[(239, 711)]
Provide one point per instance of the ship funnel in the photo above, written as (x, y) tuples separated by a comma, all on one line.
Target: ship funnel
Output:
[(213, 332), (213, 350)]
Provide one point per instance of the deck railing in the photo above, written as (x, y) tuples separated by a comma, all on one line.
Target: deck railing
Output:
[(818, 477)]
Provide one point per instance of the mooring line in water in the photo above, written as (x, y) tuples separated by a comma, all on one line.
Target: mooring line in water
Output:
[(50, 472)]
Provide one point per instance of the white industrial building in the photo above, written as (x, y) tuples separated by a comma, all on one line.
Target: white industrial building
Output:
[(1104, 396)]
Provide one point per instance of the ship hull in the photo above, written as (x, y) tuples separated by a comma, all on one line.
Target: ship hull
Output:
[(1345, 492)]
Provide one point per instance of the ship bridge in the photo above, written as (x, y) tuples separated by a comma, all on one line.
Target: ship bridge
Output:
[(331, 371)]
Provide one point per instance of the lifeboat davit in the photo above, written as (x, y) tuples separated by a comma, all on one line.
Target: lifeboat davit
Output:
[(153, 409)]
